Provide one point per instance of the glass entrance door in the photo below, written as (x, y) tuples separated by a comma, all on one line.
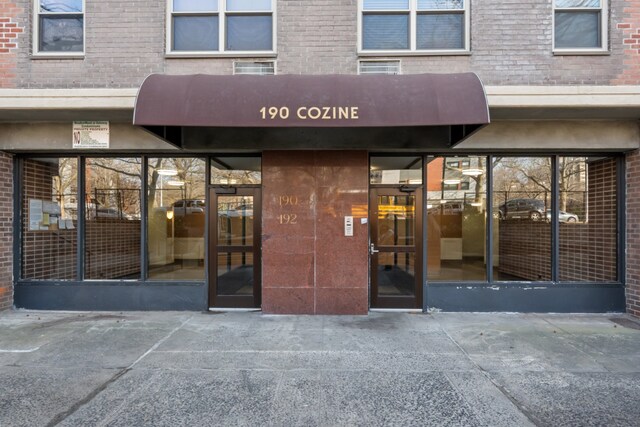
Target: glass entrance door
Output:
[(234, 263), (396, 253)]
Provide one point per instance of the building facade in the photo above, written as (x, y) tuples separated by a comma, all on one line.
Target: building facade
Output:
[(324, 157)]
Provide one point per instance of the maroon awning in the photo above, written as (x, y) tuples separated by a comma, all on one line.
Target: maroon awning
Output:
[(311, 101)]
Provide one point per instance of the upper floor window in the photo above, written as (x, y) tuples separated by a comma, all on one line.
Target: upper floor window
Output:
[(414, 26), (579, 26), (221, 26), (59, 27)]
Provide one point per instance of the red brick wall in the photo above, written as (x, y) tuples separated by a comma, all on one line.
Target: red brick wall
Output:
[(525, 249), (630, 27), (6, 231), (112, 249), (45, 254), (587, 250), (112, 245), (9, 31), (633, 233)]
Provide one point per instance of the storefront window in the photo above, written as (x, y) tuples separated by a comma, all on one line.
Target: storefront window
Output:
[(521, 231), (49, 221), (176, 218), (396, 170), (587, 219), (236, 170), (112, 218), (456, 212)]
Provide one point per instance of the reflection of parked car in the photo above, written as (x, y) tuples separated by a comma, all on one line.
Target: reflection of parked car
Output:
[(186, 207), (111, 213), (532, 209), (447, 208), (563, 216), (238, 211)]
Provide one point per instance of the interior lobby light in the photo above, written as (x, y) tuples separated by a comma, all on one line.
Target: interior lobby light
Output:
[(176, 183), (167, 172), (451, 181), (472, 172)]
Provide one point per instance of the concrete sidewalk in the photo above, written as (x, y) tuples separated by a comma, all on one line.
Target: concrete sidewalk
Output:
[(168, 369)]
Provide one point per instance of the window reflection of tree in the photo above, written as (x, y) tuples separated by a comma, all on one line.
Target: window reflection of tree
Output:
[(531, 177), (189, 170), (65, 185), (113, 183)]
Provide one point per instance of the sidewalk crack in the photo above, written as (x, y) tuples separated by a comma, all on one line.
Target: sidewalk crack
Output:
[(88, 398)]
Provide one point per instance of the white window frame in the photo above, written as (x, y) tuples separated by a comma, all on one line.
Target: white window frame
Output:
[(604, 30), (413, 19), (222, 22), (36, 33)]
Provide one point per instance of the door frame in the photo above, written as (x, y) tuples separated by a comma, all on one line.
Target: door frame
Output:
[(231, 301), (400, 302)]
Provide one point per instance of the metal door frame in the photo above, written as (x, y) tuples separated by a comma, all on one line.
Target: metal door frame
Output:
[(413, 302), (231, 301)]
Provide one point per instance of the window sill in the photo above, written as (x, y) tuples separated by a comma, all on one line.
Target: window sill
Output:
[(581, 52), (252, 54), (395, 53), (56, 55)]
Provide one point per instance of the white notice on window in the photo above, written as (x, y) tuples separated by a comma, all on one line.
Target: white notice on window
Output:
[(35, 214), (90, 135)]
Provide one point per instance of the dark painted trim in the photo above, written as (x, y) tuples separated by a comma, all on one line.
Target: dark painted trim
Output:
[(529, 298), (207, 230), (555, 224), (17, 218), (621, 191), (490, 219), (111, 296), (144, 231), (80, 217), (425, 237)]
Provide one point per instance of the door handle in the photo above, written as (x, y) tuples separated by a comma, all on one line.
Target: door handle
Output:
[(372, 249)]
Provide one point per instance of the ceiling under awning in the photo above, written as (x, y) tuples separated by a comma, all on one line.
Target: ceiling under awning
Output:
[(193, 110)]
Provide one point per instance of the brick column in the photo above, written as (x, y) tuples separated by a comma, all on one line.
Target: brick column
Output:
[(6, 231), (9, 31), (629, 25), (633, 233)]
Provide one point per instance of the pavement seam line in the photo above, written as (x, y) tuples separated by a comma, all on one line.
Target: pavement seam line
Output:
[(88, 398), (528, 414), (159, 343), (575, 347)]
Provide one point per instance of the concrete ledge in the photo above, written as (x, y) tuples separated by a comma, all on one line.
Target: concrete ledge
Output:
[(499, 96)]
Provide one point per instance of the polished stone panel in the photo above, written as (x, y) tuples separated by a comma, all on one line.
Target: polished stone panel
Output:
[(342, 300), (288, 300), (306, 195)]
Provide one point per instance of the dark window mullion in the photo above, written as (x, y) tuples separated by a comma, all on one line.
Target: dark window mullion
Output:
[(144, 253), (621, 216), (489, 216), (80, 215), (18, 216), (555, 226)]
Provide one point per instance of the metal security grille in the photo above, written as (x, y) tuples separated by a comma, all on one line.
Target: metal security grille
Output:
[(254, 68), (379, 67)]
